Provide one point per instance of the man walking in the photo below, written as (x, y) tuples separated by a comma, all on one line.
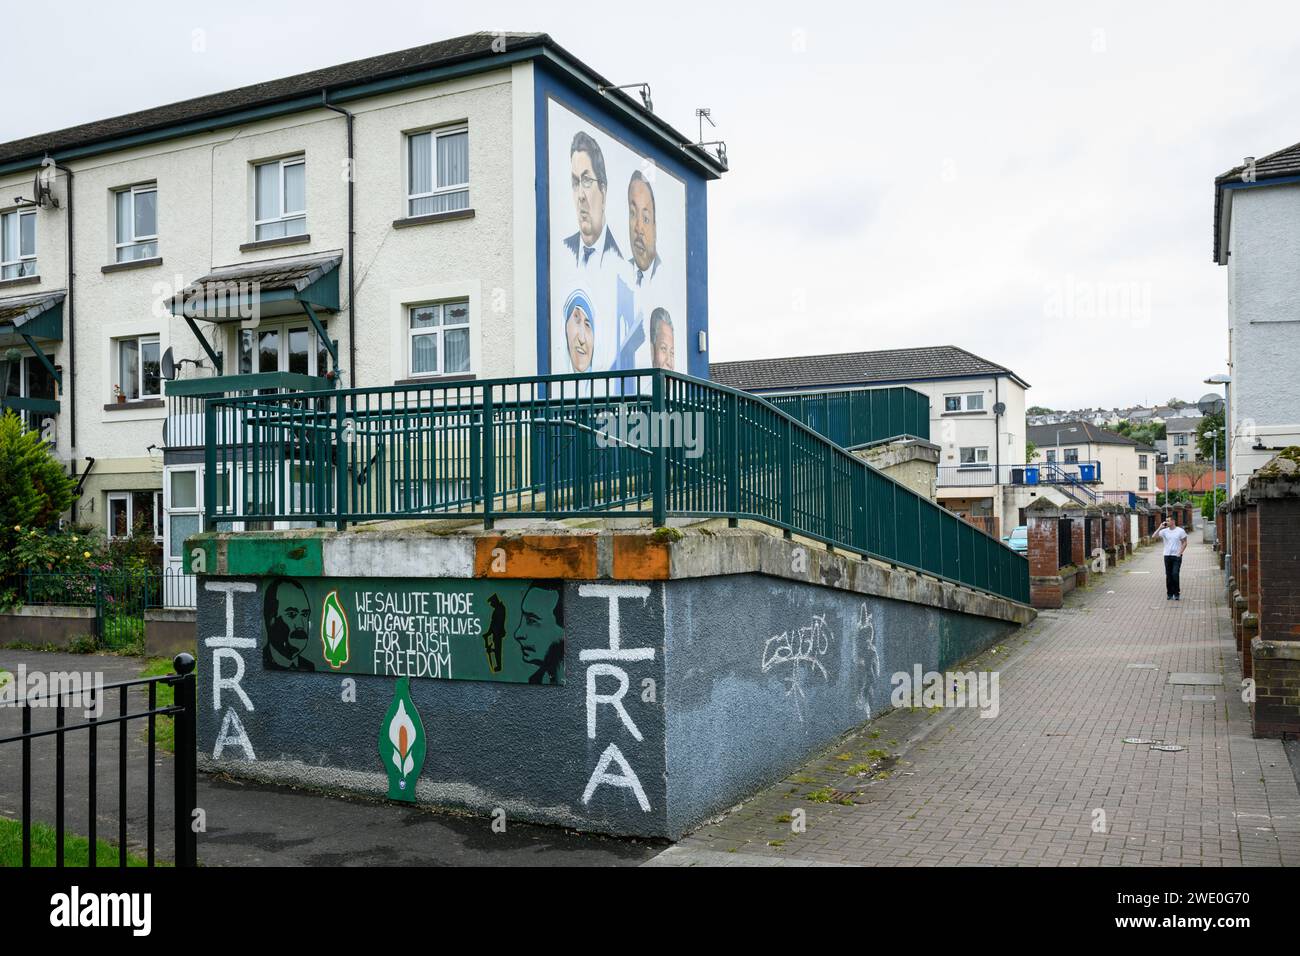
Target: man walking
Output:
[(1175, 539)]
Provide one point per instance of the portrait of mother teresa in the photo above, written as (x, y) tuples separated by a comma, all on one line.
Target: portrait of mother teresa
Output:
[(579, 330)]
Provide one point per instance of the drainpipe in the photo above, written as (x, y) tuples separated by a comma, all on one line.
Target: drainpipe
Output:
[(352, 289), (70, 315)]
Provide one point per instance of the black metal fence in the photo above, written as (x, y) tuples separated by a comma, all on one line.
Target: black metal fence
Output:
[(119, 598), (182, 710)]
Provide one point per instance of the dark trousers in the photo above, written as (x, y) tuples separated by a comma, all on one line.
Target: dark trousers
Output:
[(1173, 564)]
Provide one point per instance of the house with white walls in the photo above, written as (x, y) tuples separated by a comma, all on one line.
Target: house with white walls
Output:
[(425, 215), (1257, 240)]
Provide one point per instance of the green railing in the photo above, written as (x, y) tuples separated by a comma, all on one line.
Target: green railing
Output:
[(650, 443), (857, 417)]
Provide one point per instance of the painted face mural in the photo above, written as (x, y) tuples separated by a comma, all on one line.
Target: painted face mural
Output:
[(540, 632), (580, 333), (287, 617), (641, 222), (664, 354), (588, 195)]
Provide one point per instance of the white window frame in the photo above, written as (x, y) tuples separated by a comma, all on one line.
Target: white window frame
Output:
[(22, 261), (434, 135), (286, 215), (141, 341), (282, 330), (978, 461), (129, 498), (439, 330), (135, 240), (963, 402)]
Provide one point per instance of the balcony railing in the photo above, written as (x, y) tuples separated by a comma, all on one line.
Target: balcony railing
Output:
[(185, 398), (1038, 473), (857, 417), (649, 443)]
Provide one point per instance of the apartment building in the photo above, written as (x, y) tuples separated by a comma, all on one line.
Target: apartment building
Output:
[(426, 215)]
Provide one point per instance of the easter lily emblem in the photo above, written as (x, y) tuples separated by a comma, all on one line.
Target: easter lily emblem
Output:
[(334, 631), (402, 743)]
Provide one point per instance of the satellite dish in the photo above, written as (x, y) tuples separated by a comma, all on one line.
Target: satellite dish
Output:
[(999, 408), (168, 365), (1210, 404), (43, 186)]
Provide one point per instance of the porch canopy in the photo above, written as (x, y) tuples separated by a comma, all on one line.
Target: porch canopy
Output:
[(25, 318), (250, 291)]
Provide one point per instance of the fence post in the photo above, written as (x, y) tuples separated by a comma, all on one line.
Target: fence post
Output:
[(732, 458), (186, 747), (488, 470), (209, 465), (341, 454), (786, 468), (658, 461)]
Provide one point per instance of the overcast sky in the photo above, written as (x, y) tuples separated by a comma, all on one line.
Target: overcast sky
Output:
[(1032, 184)]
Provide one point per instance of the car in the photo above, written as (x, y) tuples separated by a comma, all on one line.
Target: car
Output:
[(1018, 539)]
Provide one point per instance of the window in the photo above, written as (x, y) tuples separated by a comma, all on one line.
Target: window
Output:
[(975, 456), (1142, 483), (18, 244), (970, 402), (281, 201), (138, 369), (437, 171), (31, 379), (135, 513), (282, 348), (1180, 438), (439, 338), (1071, 456), (1051, 456), (1142, 463), (137, 222)]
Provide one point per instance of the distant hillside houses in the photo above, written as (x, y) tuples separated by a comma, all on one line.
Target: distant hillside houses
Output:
[(1110, 417)]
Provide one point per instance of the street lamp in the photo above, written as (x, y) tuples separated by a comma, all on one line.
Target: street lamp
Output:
[(1058, 450)]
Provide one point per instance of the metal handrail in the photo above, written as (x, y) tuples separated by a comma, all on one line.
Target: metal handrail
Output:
[(543, 445)]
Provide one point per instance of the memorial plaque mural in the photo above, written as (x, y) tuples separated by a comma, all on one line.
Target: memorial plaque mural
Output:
[(440, 629)]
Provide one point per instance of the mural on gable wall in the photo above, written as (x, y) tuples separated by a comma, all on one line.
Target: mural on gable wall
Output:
[(453, 629), (618, 252)]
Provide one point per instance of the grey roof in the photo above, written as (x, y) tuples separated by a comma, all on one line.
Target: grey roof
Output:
[(1283, 163), (441, 54), (1187, 424), (856, 368), (292, 272), (1044, 436), (20, 309)]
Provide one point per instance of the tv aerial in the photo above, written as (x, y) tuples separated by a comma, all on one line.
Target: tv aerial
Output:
[(702, 115)]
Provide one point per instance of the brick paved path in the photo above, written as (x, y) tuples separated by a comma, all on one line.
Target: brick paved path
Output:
[(1023, 788)]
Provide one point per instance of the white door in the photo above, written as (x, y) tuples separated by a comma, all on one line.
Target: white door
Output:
[(182, 517)]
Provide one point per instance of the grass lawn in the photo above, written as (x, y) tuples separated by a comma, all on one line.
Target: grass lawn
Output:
[(165, 727), (75, 848)]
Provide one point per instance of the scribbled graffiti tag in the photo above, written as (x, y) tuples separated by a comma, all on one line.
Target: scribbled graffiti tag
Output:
[(802, 651)]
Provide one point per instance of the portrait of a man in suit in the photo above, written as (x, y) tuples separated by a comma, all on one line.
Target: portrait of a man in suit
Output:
[(286, 613), (593, 241), (663, 350), (641, 229)]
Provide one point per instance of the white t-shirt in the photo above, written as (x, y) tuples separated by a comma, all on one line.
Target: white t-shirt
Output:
[(1174, 538)]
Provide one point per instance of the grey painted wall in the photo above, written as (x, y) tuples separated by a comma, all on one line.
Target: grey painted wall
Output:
[(731, 682), (761, 675), (519, 747), (1264, 315)]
